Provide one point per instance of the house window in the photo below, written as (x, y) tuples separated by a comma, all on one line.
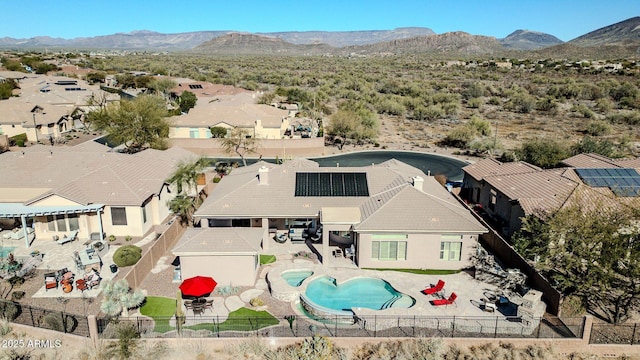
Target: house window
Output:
[(51, 225), (73, 222), (493, 200), (144, 214), (451, 250), (389, 250), (62, 222), (118, 216), (194, 133)]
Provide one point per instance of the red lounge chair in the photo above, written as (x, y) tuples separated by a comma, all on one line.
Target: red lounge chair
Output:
[(450, 300), (434, 289)]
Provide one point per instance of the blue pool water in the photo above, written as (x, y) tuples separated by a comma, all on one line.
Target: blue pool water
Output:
[(296, 277), (6, 250), (361, 292)]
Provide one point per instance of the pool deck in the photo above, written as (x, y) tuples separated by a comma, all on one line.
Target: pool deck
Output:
[(469, 303)]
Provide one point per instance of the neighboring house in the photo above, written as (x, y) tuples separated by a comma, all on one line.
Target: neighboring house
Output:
[(87, 188), (508, 192), (392, 215), (229, 111), (47, 106)]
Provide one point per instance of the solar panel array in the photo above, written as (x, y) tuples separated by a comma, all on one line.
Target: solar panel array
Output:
[(331, 184), (195, 86), (623, 182)]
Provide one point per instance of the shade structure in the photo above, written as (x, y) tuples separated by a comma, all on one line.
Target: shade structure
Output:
[(198, 286)]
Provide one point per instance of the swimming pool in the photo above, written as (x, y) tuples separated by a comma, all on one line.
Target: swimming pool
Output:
[(360, 292), (6, 250), (296, 277)]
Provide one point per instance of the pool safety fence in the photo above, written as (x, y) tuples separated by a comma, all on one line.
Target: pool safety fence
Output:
[(363, 326), (56, 320)]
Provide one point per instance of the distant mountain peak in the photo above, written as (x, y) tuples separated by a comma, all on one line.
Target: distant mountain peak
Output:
[(529, 40), (625, 33)]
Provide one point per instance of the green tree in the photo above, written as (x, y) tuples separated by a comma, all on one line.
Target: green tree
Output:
[(590, 144), (137, 124), (6, 89), (592, 251), (187, 101), (218, 132), (241, 142), (95, 77), (162, 86), (543, 152), (184, 206)]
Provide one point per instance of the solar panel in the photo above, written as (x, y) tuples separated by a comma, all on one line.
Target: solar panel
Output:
[(195, 86), (331, 184), (621, 181)]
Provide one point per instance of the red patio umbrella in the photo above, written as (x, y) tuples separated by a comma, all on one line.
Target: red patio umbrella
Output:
[(198, 286)]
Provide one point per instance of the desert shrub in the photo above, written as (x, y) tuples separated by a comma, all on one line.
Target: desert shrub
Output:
[(543, 152), (474, 103), (9, 310), (255, 302), (317, 347), (5, 327), (603, 105), (548, 104), (582, 110), (58, 322), (459, 137), (18, 140), (627, 118), (598, 128), (481, 126), (427, 349), (127, 255)]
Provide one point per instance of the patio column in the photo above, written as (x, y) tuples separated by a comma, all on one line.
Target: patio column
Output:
[(325, 243), (265, 235), (24, 228), (100, 225)]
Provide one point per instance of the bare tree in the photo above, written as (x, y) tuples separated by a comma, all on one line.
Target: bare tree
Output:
[(241, 142)]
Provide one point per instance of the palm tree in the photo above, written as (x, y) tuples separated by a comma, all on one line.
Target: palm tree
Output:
[(185, 179), (186, 175)]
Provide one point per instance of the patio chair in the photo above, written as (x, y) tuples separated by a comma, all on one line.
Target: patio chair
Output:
[(81, 285), (434, 289), (68, 238), (451, 300), (338, 253), (50, 281), (209, 305)]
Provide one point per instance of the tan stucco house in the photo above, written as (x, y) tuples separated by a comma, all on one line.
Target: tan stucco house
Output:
[(508, 192), (88, 189), (228, 111), (391, 215), (47, 106)]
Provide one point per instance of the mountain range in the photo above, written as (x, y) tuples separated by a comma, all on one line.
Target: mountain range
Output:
[(623, 36)]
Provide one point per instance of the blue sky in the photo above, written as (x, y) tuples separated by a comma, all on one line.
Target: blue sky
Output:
[(566, 19)]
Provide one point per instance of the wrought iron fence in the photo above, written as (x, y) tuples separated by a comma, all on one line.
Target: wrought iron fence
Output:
[(44, 318), (623, 334), (341, 326)]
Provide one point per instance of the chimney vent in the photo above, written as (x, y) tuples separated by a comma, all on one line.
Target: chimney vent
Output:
[(263, 175), (418, 182)]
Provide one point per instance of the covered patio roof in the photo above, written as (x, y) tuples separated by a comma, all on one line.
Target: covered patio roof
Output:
[(13, 210)]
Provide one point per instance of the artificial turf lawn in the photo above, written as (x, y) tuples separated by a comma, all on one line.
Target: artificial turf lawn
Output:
[(161, 309), (267, 259), (242, 319)]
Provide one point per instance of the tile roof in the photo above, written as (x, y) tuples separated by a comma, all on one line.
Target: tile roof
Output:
[(208, 241), (393, 203), (589, 161), (489, 167), (540, 190), (89, 174), (238, 110)]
